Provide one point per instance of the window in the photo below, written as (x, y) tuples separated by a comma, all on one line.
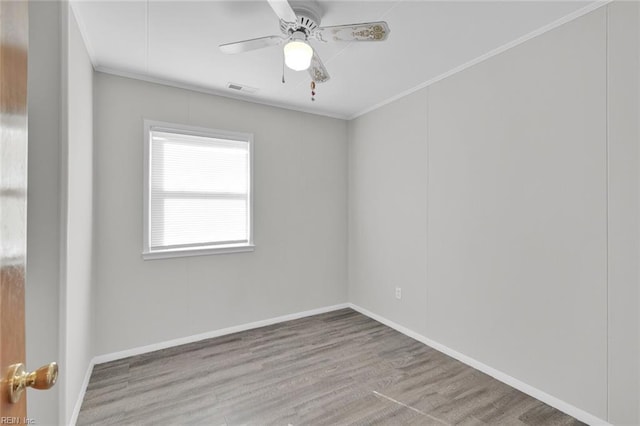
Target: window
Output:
[(197, 189)]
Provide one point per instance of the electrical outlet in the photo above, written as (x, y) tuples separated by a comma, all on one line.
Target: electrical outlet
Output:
[(398, 293)]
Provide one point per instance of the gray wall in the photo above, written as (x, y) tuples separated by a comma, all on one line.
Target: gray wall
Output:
[(300, 220), (517, 215), (490, 196), (78, 227), (623, 49), (43, 213), (388, 210)]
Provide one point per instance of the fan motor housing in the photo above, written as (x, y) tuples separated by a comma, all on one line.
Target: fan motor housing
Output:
[(308, 14)]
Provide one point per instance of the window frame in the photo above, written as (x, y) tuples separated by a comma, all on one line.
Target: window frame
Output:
[(200, 250)]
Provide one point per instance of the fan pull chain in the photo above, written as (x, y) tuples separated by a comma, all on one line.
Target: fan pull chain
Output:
[(313, 91), (283, 68)]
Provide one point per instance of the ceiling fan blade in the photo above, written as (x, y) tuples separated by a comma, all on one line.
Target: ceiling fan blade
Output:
[(253, 44), (283, 9), (367, 31), (317, 71)]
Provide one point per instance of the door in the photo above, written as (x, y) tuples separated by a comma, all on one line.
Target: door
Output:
[(13, 215), (13, 191)]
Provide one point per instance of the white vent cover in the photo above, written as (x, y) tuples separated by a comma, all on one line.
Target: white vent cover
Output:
[(241, 88)]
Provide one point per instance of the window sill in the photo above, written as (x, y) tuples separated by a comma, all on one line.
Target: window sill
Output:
[(205, 251)]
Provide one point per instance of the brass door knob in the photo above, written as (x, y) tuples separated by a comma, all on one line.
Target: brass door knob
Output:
[(18, 379)]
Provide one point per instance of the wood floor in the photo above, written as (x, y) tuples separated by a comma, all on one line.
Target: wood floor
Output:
[(337, 368)]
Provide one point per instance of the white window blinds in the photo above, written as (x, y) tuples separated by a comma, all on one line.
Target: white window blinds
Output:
[(198, 191)]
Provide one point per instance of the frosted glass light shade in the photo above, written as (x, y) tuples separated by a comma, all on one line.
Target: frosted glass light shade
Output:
[(297, 55)]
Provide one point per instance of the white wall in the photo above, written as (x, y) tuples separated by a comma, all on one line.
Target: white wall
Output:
[(505, 168), (300, 220), (43, 213), (78, 227)]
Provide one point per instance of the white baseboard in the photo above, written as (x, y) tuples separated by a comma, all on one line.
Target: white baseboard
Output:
[(83, 390), (496, 374), (101, 359)]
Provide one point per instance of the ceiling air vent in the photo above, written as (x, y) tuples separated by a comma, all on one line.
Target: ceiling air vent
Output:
[(241, 88)]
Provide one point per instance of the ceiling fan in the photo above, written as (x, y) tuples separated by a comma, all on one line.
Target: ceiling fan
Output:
[(301, 23)]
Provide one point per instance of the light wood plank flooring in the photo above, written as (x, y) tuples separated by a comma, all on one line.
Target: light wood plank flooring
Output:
[(337, 368)]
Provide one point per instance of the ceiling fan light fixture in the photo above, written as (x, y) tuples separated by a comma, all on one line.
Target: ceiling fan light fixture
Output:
[(298, 54)]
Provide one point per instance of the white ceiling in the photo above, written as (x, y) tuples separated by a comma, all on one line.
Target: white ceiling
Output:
[(177, 42)]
